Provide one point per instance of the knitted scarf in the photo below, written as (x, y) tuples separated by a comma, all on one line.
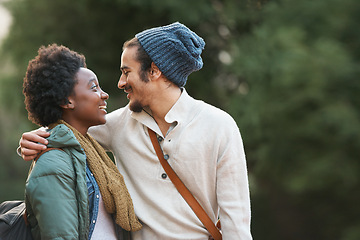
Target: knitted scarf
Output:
[(111, 183)]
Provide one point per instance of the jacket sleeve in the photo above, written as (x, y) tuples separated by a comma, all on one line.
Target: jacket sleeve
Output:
[(50, 190)]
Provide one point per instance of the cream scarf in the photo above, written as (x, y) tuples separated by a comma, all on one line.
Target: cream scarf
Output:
[(112, 186)]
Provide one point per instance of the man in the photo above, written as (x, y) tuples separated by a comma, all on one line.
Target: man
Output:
[(202, 143)]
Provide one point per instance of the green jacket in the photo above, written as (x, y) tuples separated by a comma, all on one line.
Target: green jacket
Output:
[(56, 193)]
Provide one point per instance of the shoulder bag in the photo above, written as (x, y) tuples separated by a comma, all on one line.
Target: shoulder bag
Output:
[(13, 217)]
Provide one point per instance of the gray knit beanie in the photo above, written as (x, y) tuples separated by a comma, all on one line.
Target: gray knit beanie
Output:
[(174, 49)]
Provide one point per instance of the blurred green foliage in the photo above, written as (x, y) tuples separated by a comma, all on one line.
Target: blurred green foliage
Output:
[(287, 71)]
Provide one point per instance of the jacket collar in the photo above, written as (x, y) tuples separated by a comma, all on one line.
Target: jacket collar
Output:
[(61, 137)]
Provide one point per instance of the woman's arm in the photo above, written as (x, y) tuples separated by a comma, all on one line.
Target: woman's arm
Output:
[(50, 191)]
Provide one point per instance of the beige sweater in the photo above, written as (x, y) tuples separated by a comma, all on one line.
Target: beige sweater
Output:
[(205, 149)]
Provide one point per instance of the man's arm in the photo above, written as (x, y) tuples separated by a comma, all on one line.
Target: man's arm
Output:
[(232, 184), (31, 143)]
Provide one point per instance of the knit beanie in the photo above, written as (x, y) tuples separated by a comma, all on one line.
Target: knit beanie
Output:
[(174, 49)]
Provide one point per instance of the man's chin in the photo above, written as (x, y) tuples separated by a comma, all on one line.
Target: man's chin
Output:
[(136, 106)]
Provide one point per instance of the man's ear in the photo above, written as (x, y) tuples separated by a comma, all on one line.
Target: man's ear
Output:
[(69, 105), (154, 71)]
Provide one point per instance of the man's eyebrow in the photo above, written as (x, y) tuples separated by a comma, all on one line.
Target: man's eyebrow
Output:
[(124, 68)]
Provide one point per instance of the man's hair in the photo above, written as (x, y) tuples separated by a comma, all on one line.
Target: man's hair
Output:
[(49, 81), (141, 56)]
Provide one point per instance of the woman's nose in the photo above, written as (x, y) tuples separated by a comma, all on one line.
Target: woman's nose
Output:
[(104, 95)]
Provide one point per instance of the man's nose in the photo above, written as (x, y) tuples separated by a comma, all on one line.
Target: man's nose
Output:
[(122, 82)]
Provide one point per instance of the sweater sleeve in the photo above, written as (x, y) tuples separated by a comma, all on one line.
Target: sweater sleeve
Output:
[(114, 123), (102, 135), (232, 184), (50, 191)]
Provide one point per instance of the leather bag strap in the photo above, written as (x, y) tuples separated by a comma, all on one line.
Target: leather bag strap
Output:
[(184, 191), (44, 151)]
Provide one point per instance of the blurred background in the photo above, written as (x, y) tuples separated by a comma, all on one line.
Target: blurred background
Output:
[(287, 71)]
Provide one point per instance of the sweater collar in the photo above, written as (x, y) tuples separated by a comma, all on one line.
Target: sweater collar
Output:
[(181, 112)]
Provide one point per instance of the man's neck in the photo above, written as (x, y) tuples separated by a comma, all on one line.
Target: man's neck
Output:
[(162, 105)]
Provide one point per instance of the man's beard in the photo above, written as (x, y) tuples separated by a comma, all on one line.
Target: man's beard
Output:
[(136, 106)]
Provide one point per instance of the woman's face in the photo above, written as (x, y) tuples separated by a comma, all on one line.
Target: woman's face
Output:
[(88, 99)]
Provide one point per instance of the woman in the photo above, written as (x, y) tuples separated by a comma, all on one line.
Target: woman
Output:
[(75, 191)]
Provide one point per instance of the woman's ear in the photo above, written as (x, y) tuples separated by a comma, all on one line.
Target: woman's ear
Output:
[(69, 105), (154, 71)]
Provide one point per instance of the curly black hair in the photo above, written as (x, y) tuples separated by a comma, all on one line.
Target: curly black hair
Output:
[(49, 81)]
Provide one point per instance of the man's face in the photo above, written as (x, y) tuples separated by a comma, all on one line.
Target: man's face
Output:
[(131, 81)]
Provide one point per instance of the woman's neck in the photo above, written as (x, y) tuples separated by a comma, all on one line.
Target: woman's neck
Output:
[(79, 127)]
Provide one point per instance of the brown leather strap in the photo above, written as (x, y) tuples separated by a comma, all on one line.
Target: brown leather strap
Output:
[(25, 217), (184, 191), (44, 151)]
